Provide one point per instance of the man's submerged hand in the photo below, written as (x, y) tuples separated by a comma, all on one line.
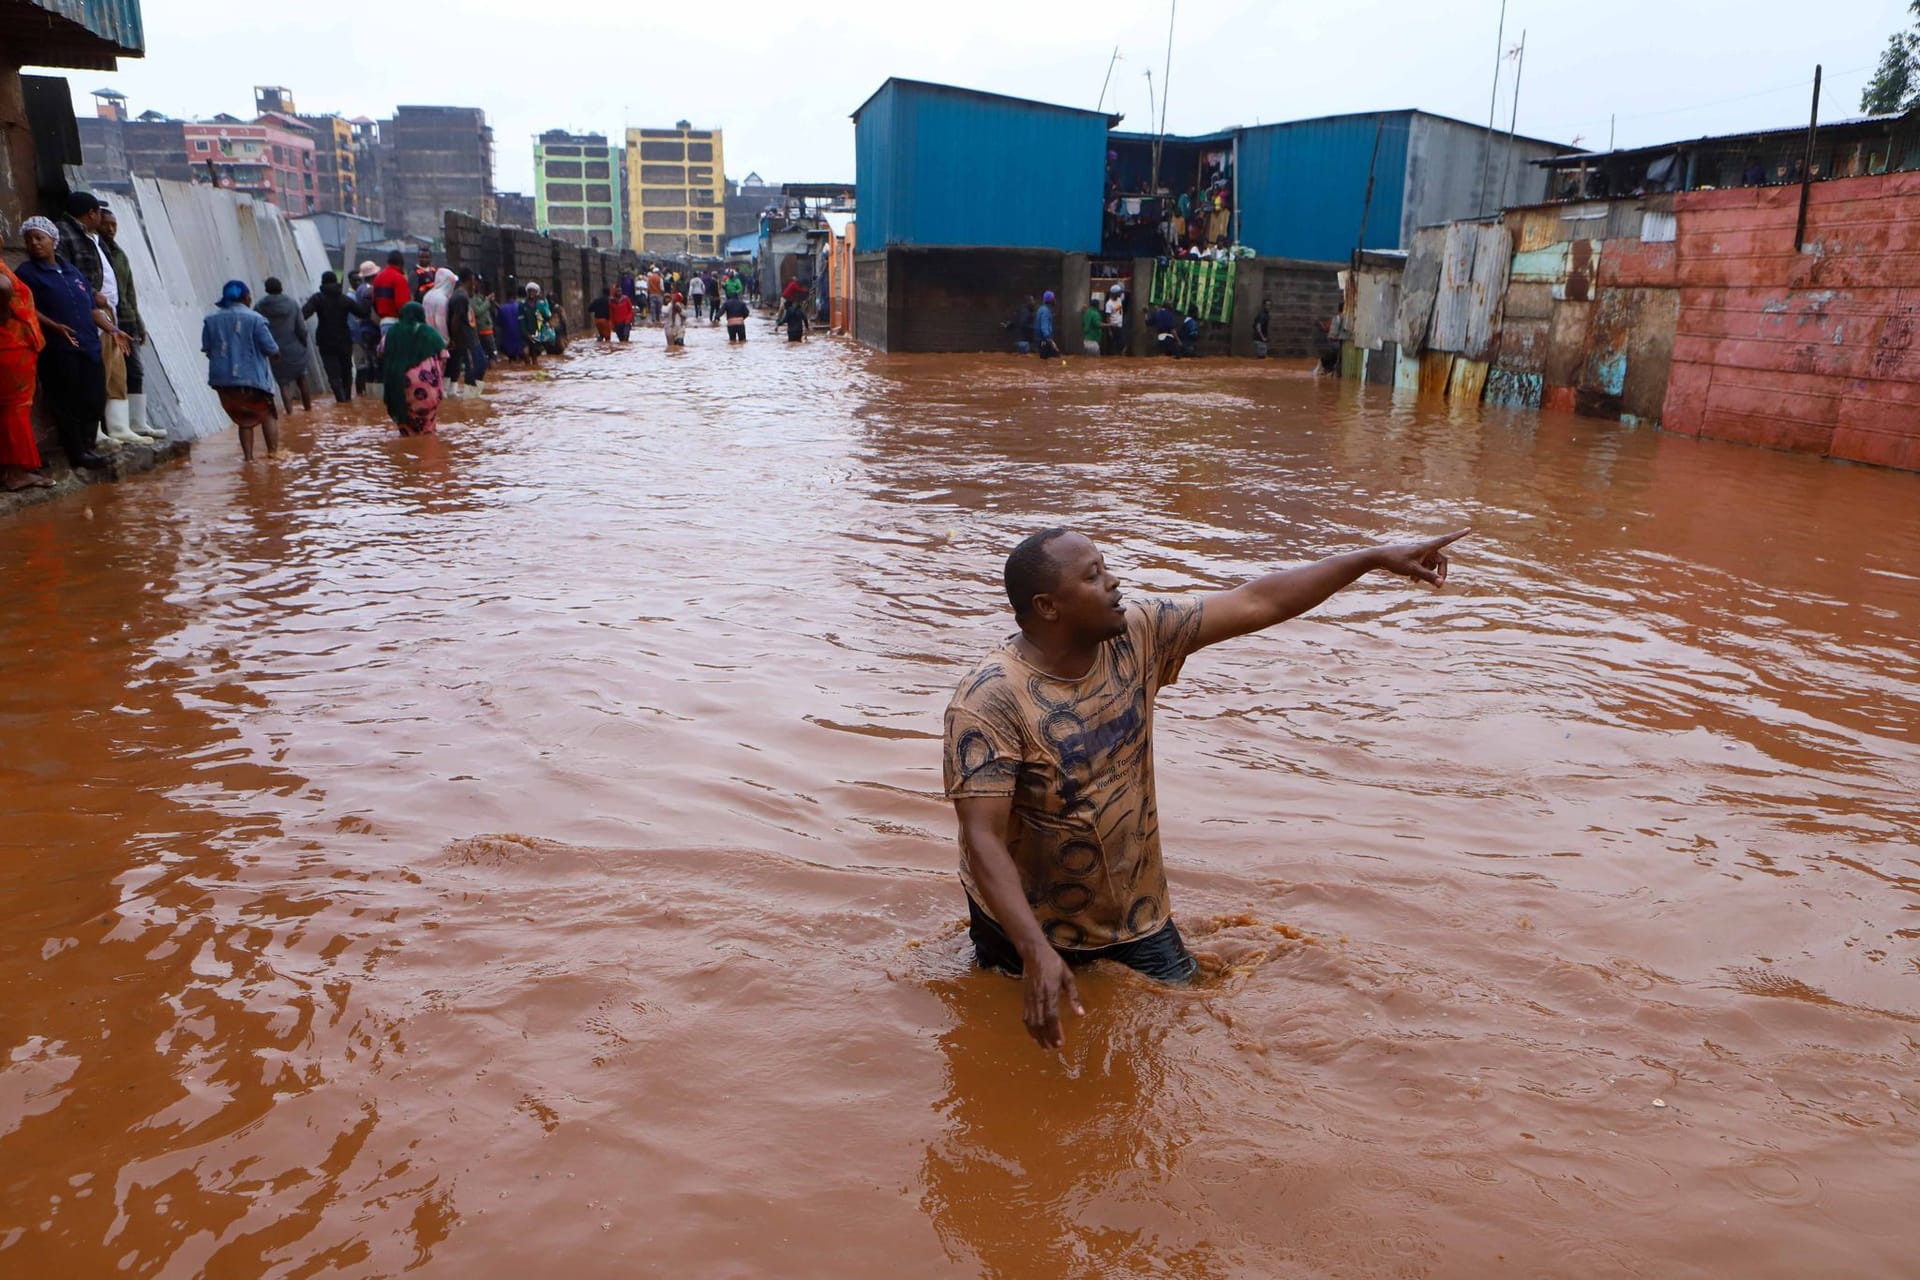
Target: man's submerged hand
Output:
[(1419, 560), (1049, 988)]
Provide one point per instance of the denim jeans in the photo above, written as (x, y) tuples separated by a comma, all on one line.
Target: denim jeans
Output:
[(1162, 955)]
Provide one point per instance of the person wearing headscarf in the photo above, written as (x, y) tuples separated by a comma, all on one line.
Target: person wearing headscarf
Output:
[(73, 378), (240, 353), (20, 344), (536, 322), (436, 299), (334, 310), (677, 322), (289, 327), (412, 367)]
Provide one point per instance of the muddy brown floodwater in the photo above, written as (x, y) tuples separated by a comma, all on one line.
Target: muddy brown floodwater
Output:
[(521, 852)]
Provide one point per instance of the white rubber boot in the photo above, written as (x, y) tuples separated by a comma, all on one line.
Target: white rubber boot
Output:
[(100, 441), (117, 418), (138, 424)]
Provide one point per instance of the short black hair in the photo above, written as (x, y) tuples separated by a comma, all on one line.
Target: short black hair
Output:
[(1031, 569), (82, 203), (273, 284), (395, 258), (464, 274)]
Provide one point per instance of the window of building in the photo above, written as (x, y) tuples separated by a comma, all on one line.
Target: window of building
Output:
[(663, 174), (700, 151), (563, 151), (665, 243), (564, 216), (599, 193), (701, 195), (566, 192), (663, 151), (703, 219), (665, 220), (598, 169), (563, 168), (599, 217), (201, 144), (663, 197), (699, 177)]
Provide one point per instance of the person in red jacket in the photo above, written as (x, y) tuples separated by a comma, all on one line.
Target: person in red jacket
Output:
[(391, 290), (622, 315)]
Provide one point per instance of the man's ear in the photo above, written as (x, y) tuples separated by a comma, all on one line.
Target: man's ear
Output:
[(1044, 607)]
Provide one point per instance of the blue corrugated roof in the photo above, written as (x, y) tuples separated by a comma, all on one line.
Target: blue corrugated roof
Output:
[(115, 22), (1303, 185)]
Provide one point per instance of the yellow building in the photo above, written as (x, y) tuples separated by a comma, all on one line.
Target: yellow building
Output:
[(676, 192)]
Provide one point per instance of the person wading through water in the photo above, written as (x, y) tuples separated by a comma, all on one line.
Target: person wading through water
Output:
[(1049, 757)]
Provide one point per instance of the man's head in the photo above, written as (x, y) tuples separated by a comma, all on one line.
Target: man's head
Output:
[(274, 285), (1058, 583), (328, 280), (426, 257), (84, 208), (464, 277), (395, 258), (367, 270), (109, 224)]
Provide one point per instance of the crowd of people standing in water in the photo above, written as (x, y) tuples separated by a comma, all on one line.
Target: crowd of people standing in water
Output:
[(71, 333)]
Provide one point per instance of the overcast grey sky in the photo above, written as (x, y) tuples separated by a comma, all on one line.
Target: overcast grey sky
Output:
[(781, 78)]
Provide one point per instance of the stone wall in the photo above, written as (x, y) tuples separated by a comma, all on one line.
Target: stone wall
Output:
[(509, 257)]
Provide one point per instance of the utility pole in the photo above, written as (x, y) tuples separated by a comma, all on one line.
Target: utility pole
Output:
[(1806, 166), (1493, 103), (1513, 123)]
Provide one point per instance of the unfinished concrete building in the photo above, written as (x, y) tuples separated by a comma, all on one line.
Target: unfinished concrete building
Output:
[(435, 160)]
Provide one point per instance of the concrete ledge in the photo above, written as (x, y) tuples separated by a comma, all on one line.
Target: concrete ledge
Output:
[(124, 461)]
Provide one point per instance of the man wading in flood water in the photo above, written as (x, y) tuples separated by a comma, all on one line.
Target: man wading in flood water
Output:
[(1049, 757)]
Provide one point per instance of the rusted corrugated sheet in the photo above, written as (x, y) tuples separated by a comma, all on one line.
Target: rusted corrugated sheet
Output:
[(1419, 286), (1376, 308), (1472, 283)]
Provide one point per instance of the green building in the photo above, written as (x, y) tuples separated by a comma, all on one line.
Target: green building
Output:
[(578, 183)]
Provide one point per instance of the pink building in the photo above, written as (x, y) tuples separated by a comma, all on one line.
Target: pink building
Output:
[(272, 158)]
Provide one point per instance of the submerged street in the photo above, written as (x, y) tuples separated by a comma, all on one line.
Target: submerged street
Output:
[(522, 851)]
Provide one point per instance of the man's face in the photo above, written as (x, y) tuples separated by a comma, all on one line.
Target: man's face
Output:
[(90, 220), (109, 225), (1085, 597)]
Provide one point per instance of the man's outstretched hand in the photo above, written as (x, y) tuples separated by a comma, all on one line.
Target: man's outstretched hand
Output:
[(1419, 560), (1049, 991)]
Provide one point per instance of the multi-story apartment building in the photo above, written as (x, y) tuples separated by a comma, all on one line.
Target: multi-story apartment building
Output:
[(270, 158), (431, 160), (676, 191), (577, 184)]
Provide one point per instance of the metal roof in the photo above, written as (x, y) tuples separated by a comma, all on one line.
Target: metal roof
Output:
[(1847, 122), (75, 33), (983, 95)]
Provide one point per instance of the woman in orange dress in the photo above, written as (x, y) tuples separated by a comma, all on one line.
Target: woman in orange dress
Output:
[(20, 343)]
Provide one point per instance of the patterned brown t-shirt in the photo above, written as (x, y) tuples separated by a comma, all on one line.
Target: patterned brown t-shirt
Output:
[(1077, 758)]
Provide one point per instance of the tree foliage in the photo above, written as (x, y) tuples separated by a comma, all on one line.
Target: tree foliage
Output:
[(1896, 81)]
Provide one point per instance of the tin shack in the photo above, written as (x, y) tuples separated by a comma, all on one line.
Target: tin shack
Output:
[(969, 201)]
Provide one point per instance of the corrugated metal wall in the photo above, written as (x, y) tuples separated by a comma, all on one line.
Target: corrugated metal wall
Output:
[(1452, 172), (941, 166), (1303, 185)]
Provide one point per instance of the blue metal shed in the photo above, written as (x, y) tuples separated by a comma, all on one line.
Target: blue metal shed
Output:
[(1303, 185), (939, 165)]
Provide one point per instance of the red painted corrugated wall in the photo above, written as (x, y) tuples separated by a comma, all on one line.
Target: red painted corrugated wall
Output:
[(1816, 350)]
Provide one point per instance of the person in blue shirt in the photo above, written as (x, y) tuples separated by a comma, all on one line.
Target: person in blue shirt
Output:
[(1163, 322), (1043, 344), (73, 375), (1190, 334), (240, 352)]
